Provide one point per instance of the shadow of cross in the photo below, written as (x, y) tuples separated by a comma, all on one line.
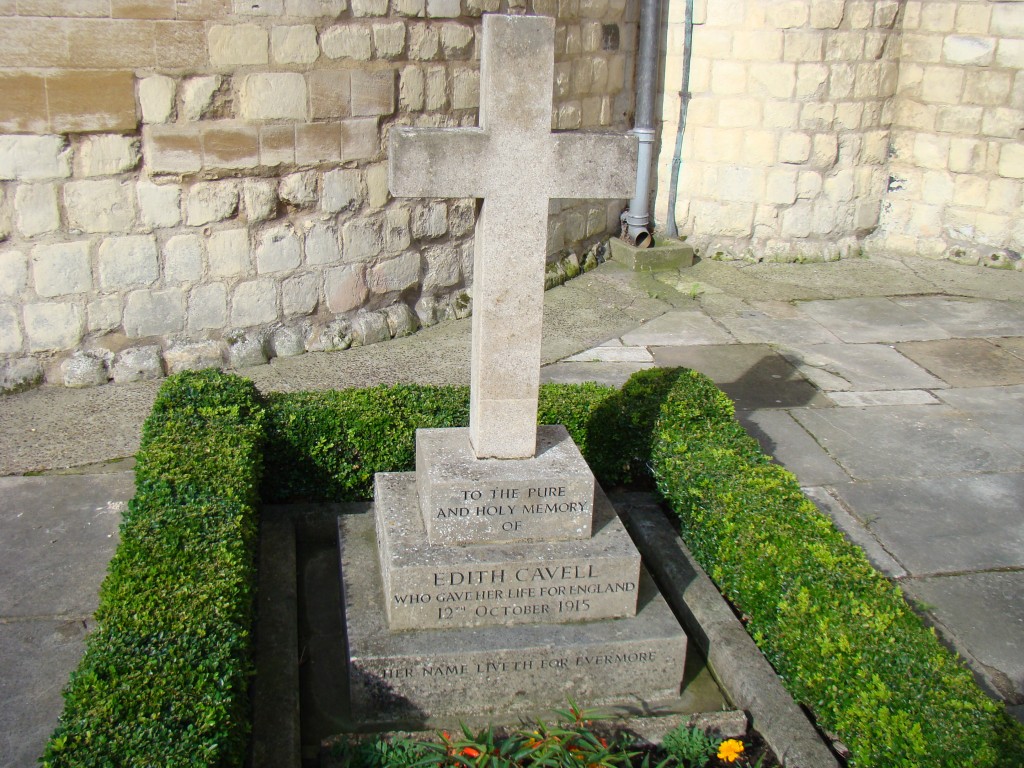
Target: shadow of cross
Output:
[(516, 164)]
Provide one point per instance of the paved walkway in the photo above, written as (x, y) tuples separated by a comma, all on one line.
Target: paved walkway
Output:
[(894, 389)]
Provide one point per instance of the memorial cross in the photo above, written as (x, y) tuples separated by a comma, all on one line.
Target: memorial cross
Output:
[(516, 164)]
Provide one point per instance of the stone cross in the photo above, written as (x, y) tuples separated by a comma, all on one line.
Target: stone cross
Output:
[(516, 164)]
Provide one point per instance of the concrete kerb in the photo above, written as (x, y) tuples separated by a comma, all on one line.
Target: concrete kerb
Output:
[(738, 665)]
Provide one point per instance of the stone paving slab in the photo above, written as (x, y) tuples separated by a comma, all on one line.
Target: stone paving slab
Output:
[(57, 534), (883, 397), (753, 375), (781, 437), (939, 525), (689, 327), (611, 374), (36, 658), (907, 441), (858, 367), (827, 500), (965, 317), (998, 410), (982, 614), (1013, 345), (54, 518), (774, 322), (872, 320), (966, 362)]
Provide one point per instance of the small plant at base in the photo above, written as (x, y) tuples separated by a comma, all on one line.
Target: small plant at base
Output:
[(690, 746)]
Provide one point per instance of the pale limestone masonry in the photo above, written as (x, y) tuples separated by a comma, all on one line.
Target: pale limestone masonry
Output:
[(820, 128), (151, 154), (956, 183)]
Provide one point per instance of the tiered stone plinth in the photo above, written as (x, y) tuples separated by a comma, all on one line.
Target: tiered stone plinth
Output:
[(498, 586)]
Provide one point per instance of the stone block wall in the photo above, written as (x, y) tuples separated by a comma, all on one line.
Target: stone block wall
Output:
[(956, 177), (187, 182), (786, 139)]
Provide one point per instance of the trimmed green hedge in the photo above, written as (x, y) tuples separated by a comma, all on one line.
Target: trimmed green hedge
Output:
[(165, 674)]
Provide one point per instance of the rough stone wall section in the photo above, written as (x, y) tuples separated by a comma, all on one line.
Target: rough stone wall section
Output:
[(196, 182), (785, 146), (956, 183)]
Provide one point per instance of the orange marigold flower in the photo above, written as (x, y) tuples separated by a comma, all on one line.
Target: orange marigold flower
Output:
[(730, 750), (471, 752)]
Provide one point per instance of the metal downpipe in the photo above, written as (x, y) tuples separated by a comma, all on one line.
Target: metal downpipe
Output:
[(637, 217)]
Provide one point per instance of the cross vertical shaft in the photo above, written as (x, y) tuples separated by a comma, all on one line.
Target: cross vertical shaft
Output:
[(516, 165)]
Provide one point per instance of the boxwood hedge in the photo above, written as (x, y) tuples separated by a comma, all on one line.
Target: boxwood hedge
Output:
[(164, 676)]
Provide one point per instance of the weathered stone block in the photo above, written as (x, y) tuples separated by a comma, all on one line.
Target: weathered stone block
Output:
[(443, 267), (156, 97), (315, 8), (361, 239), (228, 253), (246, 350), (107, 155), (103, 314), (1011, 161), (237, 45), (373, 92), (61, 269), (13, 273), (300, 294), (369, 7), (53, 326), (287, 341), (345, 288), (93, 100), (424, 42), (329, 93), (159, 204), (377, 190), (968, 50), (18, 374), (465, 89), (172, 149), (137, 364), (193, 357), (259, 199), (389, 39), (106, 205), (183, 259), (273, 96), (230, 145), (207, 307), (435, 88), (299, 189), (127, 261), (395, 230), (401, 320), (359, 139), (432, 587), (411, 8), (1007, 20), (254, 303), (317, 143), (296, 44), (35, 209), (197, 96), (466, 500), (210, 201), (278, 249), (322, 245), (154, 313), (23, 103), (443, 9), (258, 7), (10, 341), (347, 41), (342, 189), (370, 328), (430, 220), (84, 369)]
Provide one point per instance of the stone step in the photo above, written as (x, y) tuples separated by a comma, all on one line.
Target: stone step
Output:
[(429, 586), (498, 670), (466, 500)]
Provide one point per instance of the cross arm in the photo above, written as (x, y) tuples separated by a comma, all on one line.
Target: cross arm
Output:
[(593, 165), (438, 162)]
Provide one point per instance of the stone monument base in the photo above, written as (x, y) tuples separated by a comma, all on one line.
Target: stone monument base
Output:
[(497, 670)]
